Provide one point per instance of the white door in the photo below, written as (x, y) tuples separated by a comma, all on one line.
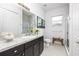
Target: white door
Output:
[(74, 15)]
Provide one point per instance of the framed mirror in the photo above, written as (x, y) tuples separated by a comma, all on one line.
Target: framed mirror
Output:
[(40, 22)]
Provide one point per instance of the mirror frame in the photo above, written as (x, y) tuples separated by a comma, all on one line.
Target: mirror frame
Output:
[(42, 22)]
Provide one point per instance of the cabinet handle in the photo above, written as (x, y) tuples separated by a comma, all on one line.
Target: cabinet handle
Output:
[(15, 51), (23, 54)]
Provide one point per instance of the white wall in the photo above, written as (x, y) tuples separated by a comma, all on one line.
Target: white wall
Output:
[(49, 30), (36, 9)]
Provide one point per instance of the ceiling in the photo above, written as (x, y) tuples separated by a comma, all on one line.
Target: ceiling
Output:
[(49, 6)]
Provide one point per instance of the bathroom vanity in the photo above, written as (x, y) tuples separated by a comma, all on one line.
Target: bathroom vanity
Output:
[(24, 46), (19, 20)]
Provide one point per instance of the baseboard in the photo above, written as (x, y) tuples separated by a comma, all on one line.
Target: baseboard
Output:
[(66, 50)]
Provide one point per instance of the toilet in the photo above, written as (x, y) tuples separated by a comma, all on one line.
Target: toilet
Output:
[(47, 42)]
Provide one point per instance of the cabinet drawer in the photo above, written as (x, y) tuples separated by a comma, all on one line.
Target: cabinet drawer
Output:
[(13, 52), (31, 43)]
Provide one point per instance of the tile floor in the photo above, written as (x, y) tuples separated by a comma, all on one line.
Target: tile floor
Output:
[(54, 50)]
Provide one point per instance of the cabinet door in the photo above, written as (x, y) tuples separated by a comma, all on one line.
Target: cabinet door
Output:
[(41, 46), (36, 49), (29, 51), (18, 50), (20, 54)]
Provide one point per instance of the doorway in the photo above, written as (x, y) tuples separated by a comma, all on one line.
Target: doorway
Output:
[(67, 33)]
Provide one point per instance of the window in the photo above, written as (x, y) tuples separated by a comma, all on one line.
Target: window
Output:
[(57, 20)]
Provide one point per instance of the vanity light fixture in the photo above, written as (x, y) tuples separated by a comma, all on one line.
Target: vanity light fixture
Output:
[(21, 4)]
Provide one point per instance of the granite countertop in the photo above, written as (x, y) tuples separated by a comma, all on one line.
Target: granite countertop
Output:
[(4, 45)]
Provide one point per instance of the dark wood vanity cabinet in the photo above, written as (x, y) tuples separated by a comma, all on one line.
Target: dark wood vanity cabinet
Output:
[(38, 47), (29, 51), (35, 47), (16, 51), (41, 45), (32, 48), (28, 48)]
